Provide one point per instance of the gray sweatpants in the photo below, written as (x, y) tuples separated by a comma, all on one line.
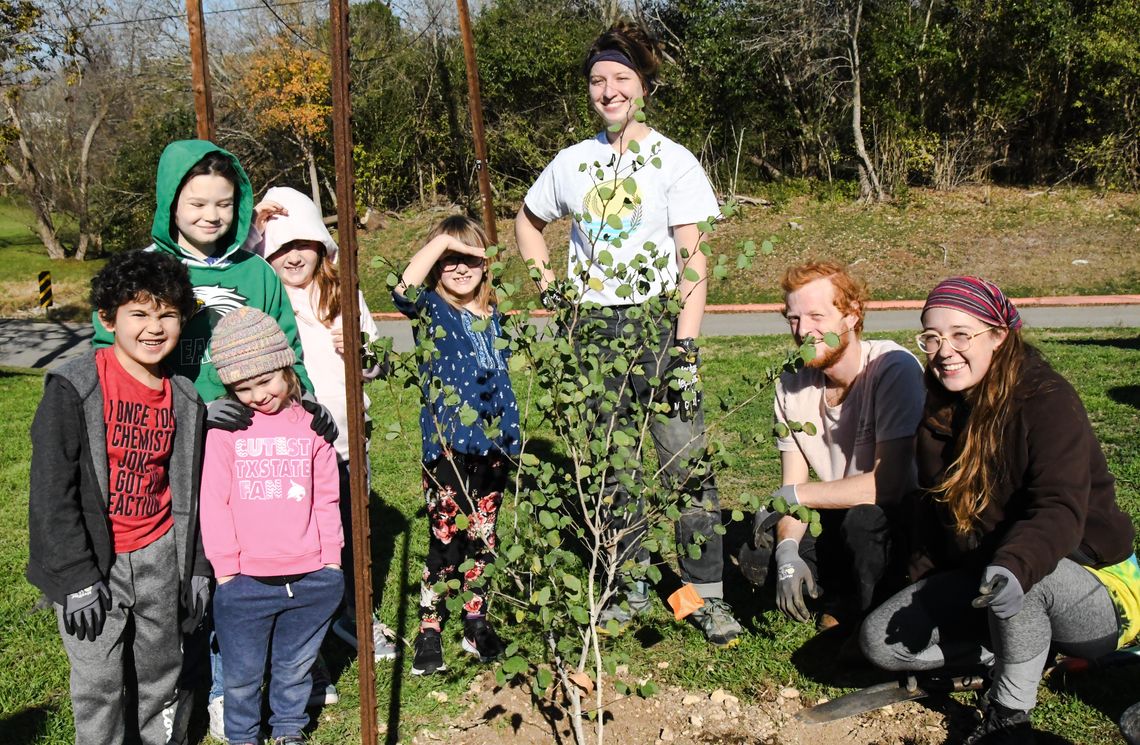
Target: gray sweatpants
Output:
[(931, 625), (144, 615)]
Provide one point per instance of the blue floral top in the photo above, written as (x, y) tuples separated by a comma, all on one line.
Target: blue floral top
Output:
[(466, 361)]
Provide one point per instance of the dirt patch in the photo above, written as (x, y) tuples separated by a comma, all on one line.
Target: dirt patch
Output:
[(508, 715)]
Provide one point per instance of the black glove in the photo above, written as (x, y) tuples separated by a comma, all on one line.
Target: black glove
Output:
[(84, 612), (199, 599), (323, 422), (684, 374), (792, 573), (227, 414), (1000, 592)]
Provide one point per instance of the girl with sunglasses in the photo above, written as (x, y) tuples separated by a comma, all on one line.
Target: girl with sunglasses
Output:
[(446, 291)]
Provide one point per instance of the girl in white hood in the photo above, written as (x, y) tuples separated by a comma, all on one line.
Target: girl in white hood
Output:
[(296, 243)]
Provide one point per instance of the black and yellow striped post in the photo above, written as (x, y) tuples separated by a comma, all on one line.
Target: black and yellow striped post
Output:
[(45, 291)]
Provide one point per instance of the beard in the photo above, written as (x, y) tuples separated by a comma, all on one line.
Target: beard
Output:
[(832, 355)]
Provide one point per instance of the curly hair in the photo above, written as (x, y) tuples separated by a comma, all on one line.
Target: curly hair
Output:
[(139, 276)]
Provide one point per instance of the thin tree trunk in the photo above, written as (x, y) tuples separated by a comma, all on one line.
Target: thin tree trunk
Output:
[(30, 183), (869, 186), (86, 238), (314, 177)]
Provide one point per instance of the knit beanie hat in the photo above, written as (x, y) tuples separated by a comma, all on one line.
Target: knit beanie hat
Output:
[(247, 343)]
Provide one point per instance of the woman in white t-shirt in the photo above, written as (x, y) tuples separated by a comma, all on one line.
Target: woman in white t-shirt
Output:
[(636, 199)]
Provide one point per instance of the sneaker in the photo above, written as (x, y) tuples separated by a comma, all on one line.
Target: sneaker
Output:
[(288, 740), (383, 648), (428, 657), (1130, 724), (1001, 725), (716, 622), (217, 710), (624, 608), (481, 640), (324, 692)]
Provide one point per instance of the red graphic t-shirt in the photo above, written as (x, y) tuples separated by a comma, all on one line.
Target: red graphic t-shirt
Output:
[(140, 437)]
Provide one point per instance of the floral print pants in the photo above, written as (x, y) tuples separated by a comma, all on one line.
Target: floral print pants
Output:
[(472, 486)]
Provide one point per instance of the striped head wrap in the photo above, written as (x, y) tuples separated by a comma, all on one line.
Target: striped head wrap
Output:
[(976, 297)]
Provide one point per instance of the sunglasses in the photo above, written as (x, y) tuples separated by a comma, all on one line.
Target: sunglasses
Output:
[(451, 261)]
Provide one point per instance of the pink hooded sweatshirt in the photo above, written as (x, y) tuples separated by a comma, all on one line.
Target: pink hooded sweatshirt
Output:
[(270, 498)]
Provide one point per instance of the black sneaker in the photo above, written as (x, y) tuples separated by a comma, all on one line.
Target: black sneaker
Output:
[(481, 640), (1001, 725), (428, 658)]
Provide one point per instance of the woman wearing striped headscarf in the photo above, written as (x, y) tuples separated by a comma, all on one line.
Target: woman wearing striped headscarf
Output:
[(1019, 542)]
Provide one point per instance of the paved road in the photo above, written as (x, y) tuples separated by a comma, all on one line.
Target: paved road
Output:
[(39, 344)]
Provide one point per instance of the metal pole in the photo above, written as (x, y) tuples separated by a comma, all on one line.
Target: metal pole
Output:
[(200, 70), (475, 104), (350, 308)]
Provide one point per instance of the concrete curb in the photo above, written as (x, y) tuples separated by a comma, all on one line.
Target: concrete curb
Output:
[(1059, 301)]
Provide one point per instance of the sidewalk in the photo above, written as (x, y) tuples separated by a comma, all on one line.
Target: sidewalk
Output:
[(40, 344)]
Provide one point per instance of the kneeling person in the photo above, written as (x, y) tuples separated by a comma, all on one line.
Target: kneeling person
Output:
[(864, 400)]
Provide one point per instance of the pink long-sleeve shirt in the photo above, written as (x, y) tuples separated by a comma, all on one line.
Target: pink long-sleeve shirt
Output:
[(270, 497)]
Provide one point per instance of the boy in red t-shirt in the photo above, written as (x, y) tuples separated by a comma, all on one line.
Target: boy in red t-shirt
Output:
[(113, 511)]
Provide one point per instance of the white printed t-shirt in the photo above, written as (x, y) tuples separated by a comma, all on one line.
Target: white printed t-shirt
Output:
[(884, 403), (668, 189)]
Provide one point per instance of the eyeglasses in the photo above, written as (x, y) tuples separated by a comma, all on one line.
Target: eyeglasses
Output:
[(451, 261), (930, 342)]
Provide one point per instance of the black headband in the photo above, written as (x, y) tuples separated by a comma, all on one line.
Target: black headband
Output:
[(610, 55)]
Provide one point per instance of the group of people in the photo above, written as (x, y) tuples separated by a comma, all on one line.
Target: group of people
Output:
[(197, 458)]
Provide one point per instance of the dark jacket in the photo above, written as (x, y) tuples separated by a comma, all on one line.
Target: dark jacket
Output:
[(1055, 499), (69, 531)]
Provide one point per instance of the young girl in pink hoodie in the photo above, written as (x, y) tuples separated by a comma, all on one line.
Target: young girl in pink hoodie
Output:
[(271, 529)]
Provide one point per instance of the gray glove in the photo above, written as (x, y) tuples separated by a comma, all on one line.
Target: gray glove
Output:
[(787, 492), (199, 599), (792, 574), (323, 422), (1000, 592), (84, 612), (227, 414)]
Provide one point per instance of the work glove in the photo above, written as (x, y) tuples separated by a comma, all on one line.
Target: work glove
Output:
[(199, 599), (792, 573), (787, 492), (323, 422), (683, 375), (227, 414), (1000, 592), (84, 612)]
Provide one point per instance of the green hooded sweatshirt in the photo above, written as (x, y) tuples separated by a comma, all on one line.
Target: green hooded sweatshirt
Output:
[(232, 277)]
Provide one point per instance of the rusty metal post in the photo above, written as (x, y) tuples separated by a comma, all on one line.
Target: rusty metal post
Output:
[(350, 308), (200, 70), (475, 104)]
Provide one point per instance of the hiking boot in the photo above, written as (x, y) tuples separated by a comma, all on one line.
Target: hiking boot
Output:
[(481, 640), (428, 657), (716, 622), (755, 557), (1001, 725), (383, 648), (624, 607)]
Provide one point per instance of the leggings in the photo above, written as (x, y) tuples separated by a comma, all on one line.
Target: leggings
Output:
[(471, 485), (931, 625)]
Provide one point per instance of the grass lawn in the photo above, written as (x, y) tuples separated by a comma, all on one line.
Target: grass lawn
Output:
[(1025, 240), (34, 705)]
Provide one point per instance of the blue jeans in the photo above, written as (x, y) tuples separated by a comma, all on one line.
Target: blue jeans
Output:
[(249, 617)]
